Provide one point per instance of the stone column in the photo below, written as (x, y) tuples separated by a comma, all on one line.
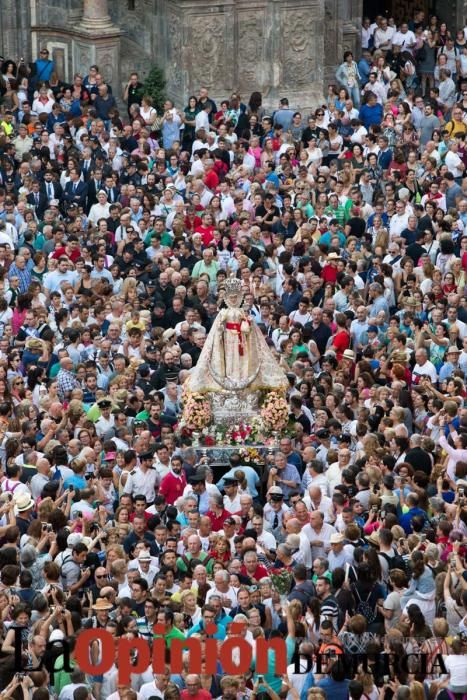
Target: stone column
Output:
[(75, 13), (96, 16)]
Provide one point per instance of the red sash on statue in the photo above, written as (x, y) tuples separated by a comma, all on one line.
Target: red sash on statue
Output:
[(237, 328)]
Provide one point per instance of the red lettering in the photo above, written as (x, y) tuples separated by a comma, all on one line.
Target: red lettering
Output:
[(211, 650), (193, 646), (246, 655), (158, 655), (83, 645), (263, 648), (125, 667)]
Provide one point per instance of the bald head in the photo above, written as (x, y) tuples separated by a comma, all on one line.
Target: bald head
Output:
[(315, 494), (293, 526), (249, 543), (43, 465), (66, 363)]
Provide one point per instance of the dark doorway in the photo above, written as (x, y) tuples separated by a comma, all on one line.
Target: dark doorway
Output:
[(404, 9), (399, 9)]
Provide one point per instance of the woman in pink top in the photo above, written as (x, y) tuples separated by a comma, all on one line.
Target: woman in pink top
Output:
[(255, 150)]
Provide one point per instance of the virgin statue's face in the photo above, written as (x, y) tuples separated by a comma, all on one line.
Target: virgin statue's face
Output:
[(233, 300)]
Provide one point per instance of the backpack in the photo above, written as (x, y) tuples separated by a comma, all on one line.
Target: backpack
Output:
[(10, 489), (62, 576), (91, 623), (453, 133), (363, 606), (395, 562)]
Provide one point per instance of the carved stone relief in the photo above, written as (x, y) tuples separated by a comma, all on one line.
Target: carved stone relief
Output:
[(107, 61), (173, 69), (83, 57), (205, 54), (249, 48), (297, 47)]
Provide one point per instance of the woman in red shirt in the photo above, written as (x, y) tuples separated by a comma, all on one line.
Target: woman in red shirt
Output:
[(341, 338)]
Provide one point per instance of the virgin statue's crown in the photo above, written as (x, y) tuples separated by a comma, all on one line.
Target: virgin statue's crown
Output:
[(233, 286)]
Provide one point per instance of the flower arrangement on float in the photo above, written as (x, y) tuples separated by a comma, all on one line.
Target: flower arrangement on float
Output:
[(197, 413), (275, 412)]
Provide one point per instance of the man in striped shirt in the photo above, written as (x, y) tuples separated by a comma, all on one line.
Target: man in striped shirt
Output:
[(329, 608)]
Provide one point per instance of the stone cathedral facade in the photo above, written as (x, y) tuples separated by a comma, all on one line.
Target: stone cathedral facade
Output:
[(279, 47)]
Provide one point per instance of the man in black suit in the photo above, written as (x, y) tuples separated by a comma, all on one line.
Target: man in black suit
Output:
[(87, 164), (110, 189), (95, 183), (50, 187), (75, 190), (37, 199)]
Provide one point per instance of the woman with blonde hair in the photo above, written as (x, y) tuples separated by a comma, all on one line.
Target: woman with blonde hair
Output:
[(398, 533), (190, 607), (221, 550), (425, 272), (78, 464), (382, 238), (128, 283), (374, 474), (115, 552), (370, 445), (417, 691), (44, 509)]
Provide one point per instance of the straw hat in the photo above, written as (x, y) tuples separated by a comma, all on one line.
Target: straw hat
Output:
[(24, 502), (102, 604), (34, 344), (336, 538), (373, 538)]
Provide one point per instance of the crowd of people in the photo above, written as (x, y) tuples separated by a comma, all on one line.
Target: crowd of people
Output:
[(347, 227)]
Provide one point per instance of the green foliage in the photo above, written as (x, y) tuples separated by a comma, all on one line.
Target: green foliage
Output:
[(154, 85)]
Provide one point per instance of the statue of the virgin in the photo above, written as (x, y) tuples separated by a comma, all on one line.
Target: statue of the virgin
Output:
[(235, 355)]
